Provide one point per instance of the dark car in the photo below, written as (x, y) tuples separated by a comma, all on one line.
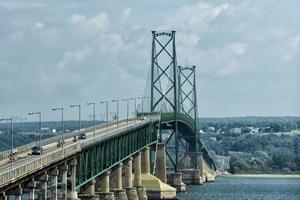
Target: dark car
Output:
[(82, 136), (37, 150)]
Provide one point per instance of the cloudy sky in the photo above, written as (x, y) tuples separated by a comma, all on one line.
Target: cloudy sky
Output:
[(57, 53)]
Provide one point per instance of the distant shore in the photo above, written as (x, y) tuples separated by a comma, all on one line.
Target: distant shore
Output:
[(263, 175)]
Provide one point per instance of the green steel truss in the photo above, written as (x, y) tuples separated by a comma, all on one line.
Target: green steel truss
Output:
[(176, 100), (95, 159), (188, 97), (164, 83)]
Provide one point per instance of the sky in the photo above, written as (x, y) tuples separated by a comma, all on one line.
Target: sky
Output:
[(57, 53)]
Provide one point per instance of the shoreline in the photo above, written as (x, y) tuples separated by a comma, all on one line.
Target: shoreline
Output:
[(262, 175)]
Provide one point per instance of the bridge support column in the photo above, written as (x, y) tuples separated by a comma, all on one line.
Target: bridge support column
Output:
[(3, 196), (72, 194), (161, 163), (64, 182), (105, 194), (17, 192), (43, 194), (131, 191), (53, 184), (137, 181), (31, 186), (155, 188), (175, 180), (119, 193), (193, 171), (88, 192)]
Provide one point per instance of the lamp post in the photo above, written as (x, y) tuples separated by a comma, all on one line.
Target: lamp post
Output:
[(127, 108), (106, 103), (117, 101), (135, 112), (79, 115), (142, 101), (40, 124), (12, 134), (62, 123), (94, 115)]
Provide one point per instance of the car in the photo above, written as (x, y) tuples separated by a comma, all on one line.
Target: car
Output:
[(82, 136), (37, 150)]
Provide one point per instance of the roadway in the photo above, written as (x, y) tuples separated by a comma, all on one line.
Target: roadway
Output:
[(49, 148)]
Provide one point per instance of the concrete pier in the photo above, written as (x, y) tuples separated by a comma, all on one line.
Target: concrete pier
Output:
[(64, 181), (161, 163), (31, 187), (119, 192), (53, 174), (192, 174), (155, 188), (88, 192), (72, 194), (43, 192), (105, 194), (175, 180), (137, 181), (130, 190)]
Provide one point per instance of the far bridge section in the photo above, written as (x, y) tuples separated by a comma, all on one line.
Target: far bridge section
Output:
[(150, 156)]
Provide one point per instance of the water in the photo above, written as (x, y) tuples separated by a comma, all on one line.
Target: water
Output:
[(241, 188)]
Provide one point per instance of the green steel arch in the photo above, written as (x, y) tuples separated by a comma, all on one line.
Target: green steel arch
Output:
[(186, 126)]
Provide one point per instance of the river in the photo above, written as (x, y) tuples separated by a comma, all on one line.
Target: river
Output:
[(245, 188)]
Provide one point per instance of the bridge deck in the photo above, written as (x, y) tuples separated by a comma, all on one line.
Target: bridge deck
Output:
[(27, 163)]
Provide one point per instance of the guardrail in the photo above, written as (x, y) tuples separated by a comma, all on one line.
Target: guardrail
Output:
[(13, 174), (27, 147)]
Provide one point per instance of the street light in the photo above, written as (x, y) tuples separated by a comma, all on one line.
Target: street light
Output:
[(79, 115), (135, 111), (106, 102), (94, 113), (12, 134), (40, 124), (127, 100), (62, 122), (117, 101)]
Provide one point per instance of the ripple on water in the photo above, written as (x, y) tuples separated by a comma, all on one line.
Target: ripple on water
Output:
[(245, 188)]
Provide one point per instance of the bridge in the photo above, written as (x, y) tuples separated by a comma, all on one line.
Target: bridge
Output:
[(151, 155)]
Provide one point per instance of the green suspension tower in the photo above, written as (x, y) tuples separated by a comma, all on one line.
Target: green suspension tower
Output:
[(164, 81), (188, 99)]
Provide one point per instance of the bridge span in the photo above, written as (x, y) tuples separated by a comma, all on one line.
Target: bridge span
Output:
[(150, 156)]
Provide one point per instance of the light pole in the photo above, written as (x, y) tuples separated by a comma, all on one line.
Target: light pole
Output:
[(127, 100), (106, 103), (40, 124), (62, 122), (12, 134), (94, 113), (79, 115), (142, 100), (135, 111), (117, 101)]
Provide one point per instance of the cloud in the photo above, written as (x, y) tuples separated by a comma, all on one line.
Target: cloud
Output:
[(195, 17), (237, 48), (73, 57), (125, 15), (17, 37), (88, 27), (12, 5), (37, 26), (292, 46)]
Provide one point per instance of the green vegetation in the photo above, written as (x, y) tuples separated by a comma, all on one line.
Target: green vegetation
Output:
[(277, 151)]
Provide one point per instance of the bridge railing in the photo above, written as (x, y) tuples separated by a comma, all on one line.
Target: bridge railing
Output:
[(27, 147), (12, 174)]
